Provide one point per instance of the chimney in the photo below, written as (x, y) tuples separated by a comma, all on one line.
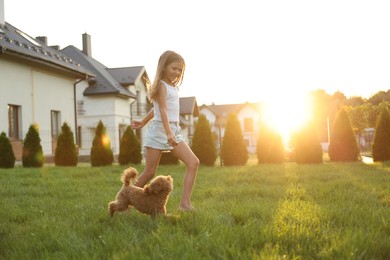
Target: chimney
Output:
[(2, 19), (42, 39), (86, 44)]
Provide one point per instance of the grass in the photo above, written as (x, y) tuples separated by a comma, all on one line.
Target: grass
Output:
[(328, 211)]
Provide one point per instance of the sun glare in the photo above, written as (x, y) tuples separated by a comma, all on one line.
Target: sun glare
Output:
[(286, 115)]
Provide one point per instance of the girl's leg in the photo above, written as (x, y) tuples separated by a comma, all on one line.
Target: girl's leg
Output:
[(183, 152), (152, 158)]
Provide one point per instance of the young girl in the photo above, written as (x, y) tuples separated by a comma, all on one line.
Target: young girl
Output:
[(164, 131)]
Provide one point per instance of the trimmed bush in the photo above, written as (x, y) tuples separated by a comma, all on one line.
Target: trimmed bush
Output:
[(381, 142), (32, 150), (7, 156), (233, 150), (343, 146), (203, 144), (168, 158), (307, 146), (66, 152), (101, 152), (130, 148), (270, 148)]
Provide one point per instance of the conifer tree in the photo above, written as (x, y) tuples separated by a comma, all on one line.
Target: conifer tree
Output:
[(233, 150), (32, 155), (66, 152), (203, 144), (381, 142), (343, 146), (7, 156), (101, 152), (308, 149), (270, 148), (130, 148), (168, 158)]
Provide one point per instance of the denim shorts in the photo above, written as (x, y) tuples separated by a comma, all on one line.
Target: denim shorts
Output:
[(157, 138)]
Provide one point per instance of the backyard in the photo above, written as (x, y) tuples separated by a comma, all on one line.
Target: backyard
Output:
[(326, 211)]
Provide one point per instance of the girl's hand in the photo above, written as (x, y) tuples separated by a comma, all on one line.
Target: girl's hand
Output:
[(172, 140), (137, 124)]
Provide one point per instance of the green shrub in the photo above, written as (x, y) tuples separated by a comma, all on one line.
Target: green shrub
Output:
[(203, 144), (381, 142), (32, 150), (233, 150), (130, 148), (343, 146), (7, 156), (270, 148), (168, 158), (66, 152), (101, 152), (307, 146)]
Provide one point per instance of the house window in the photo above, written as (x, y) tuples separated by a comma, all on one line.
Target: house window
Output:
[(79, 140), (14, 123), (248, 124), (55, 125)]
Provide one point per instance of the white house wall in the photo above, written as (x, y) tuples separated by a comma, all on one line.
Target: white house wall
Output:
[(38, 93)]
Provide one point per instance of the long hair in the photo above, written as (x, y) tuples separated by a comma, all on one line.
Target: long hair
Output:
[(166, 58)]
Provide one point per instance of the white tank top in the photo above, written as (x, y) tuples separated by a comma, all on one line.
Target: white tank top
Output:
[(172, 101)]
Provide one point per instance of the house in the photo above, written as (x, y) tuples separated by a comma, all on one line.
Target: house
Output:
[(189, 112), (115, 96), (38, 86), (248, 115)]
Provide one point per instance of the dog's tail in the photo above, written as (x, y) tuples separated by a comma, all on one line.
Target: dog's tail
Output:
[(129, 176)]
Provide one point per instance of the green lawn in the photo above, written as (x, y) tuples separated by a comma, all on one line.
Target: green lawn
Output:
[(328, 211)]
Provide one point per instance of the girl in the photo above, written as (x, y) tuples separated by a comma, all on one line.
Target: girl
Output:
[(164, 131)]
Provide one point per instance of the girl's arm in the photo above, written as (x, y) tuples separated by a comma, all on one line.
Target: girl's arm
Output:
[(139, 124), (161, 99)]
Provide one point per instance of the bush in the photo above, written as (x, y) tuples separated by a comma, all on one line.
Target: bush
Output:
[(233, 150), (381, 142), (32, 150), (270, 148), (168, 158), (343, 146), (130, 148), (307, 146), (66, 152), (101, 153), (7, 156), (203, 144)]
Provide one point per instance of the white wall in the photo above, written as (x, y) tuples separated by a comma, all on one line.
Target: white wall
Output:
[(37, 92)]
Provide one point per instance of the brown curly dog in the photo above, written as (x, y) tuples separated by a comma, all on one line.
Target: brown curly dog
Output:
[(150, 200)]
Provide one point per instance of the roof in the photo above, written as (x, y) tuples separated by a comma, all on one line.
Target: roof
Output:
[(127, 75), (105, 82), (222, 111), (188, 105), (15, 42)]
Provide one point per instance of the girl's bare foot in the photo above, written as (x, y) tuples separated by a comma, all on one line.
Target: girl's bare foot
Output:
[(186, 208)]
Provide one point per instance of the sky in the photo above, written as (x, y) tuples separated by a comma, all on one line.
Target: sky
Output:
[(236, 51)]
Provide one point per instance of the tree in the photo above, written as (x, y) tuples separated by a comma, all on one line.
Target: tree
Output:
[(233, 150), (307, 145), (343, 145), (101, 153), (203, 144), (7, 156), (270, 148), (130, 148), (168, 158), (32, 155), (381, 143), (66, 152)]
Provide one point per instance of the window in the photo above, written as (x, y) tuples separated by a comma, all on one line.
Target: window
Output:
[(14, 122), (55, 124), (248, 124)]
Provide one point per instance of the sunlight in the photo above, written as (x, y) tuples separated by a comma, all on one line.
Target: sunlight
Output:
[(286, 114)]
